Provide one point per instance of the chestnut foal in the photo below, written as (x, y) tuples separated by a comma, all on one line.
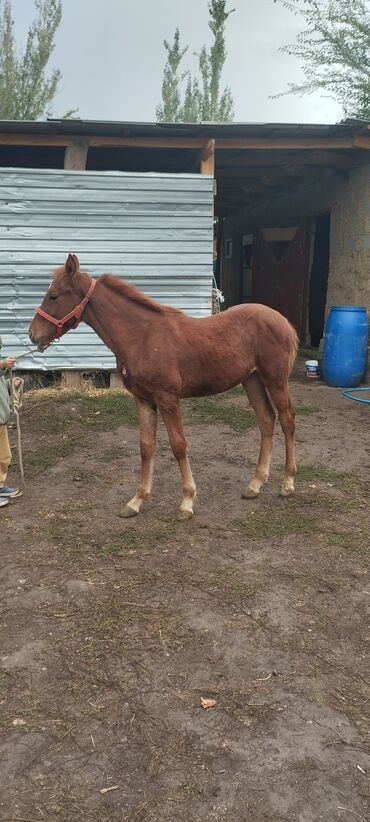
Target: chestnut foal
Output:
[(164, 355)]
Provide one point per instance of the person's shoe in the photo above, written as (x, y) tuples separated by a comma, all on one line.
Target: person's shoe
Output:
[(9, 493), (3, 502)]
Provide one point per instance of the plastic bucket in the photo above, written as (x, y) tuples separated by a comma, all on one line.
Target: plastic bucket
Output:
[(312, 369)]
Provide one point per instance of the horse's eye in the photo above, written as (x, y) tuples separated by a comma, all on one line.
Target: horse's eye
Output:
[(53, 297)]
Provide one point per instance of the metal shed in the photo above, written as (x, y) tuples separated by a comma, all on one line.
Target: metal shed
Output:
[(154, 230)]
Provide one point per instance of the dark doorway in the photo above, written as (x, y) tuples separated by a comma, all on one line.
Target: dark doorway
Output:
[(278, 270), (319, 278)]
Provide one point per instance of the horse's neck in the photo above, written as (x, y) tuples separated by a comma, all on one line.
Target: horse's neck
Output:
[(116, 319)]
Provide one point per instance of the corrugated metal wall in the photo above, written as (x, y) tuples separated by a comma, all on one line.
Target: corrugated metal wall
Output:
[(155, 230)]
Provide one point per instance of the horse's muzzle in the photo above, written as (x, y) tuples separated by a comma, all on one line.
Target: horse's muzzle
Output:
[(38, 339)]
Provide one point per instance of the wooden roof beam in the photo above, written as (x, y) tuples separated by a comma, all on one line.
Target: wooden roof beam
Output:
[(286, 143), (226, 143), (94, 141), (361, 142)]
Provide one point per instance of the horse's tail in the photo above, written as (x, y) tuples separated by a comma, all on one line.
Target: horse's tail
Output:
[(293, 346)]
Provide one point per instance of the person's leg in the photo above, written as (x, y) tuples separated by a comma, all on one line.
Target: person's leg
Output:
[(5, 459), (5, 454)]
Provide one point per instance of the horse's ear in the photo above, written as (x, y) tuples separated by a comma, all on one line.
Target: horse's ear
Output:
[(72, 265)]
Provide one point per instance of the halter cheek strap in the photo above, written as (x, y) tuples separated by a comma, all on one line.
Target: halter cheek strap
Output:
[(76, 313)]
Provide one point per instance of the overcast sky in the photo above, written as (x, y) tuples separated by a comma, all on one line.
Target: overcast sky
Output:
[(111, 56)]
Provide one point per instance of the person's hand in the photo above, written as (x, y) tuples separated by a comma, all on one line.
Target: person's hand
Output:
[(8, 362), (17, 382)]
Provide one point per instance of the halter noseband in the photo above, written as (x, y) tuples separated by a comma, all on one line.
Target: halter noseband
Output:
[(76, 313)]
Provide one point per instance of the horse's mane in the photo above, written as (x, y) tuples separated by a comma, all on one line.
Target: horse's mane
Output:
[(132, 293)]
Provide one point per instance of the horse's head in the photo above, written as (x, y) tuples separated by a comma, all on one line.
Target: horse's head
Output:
[(60, 308)]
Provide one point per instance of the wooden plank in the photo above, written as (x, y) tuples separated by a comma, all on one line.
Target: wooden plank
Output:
[(75, 156), (207, 158)]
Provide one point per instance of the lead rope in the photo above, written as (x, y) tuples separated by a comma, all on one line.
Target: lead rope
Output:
[(16, 402), (217, 297)]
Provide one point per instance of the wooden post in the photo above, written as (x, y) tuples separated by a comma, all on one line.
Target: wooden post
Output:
[(207, 158), (75, 155), (116, 381), (71, 379)]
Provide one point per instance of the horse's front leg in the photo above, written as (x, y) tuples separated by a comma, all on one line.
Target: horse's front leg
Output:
[(147, 416), (171, 415)]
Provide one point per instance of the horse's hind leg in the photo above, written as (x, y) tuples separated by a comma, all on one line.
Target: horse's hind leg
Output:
[(280, 397), (265, 414), (147, 416)]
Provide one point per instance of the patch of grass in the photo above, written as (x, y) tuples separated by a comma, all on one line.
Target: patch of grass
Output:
[(62, 418), (227, 585), (273, 522), (356, 542), (112, 454), (324, 502), (340, 479), (106, 410), (66, 529), (132, 538), (306, 410), (228, 580), (56, 411), (214, 410), (65, 532), (217, 409), (45, 457), (238, 391)]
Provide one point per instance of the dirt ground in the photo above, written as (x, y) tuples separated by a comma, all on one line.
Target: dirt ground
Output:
[(113, 631)]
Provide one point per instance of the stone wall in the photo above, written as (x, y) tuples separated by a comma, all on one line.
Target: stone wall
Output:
[(349, 277)]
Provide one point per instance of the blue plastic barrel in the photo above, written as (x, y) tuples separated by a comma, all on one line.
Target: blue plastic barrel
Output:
[(345, 346)]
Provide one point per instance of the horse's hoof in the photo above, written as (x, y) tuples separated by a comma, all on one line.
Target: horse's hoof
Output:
[(249, 493), (287, 492), (128, 512), (184, 515)]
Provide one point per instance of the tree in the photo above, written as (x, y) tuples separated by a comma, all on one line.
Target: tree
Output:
[(168, 112), (335, 52), (202, 96), (26, 91)]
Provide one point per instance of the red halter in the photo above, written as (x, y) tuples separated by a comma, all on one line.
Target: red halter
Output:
[(77, 312)]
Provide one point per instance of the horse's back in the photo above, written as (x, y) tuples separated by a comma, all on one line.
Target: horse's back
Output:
[(267, 335), (250, 318)]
